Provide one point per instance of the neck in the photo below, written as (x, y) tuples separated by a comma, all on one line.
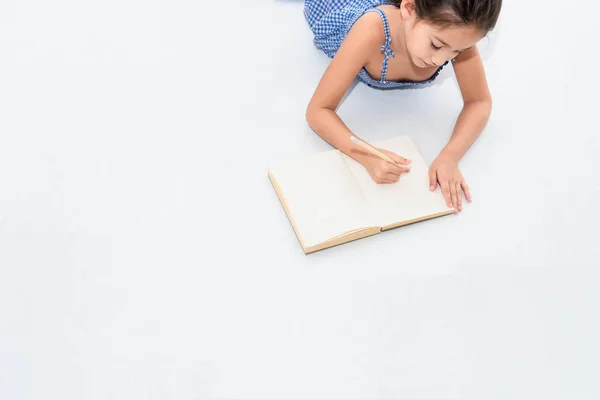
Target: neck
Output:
[(398, 36)]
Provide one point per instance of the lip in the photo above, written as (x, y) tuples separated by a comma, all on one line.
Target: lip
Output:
[(428, 65)]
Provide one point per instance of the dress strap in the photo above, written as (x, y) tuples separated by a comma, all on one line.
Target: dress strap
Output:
[(387, 51)]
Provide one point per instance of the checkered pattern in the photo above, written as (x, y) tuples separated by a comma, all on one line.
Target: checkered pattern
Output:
[(330, 22)]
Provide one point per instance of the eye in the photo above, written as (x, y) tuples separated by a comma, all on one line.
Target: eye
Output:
[(434, 46)]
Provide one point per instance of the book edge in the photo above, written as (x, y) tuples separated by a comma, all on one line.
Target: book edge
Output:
[(350, 236), (415, 220), (284, 204)]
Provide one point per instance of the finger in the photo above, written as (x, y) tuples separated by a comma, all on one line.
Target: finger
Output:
[(392, 176), (465, 187), (459, 196), (382, 177), (446, 193), (399, 159), (397, 170), (453, 195), (432, 179), (393, 171)]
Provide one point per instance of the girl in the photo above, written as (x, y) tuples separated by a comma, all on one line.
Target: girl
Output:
[(399, 44)]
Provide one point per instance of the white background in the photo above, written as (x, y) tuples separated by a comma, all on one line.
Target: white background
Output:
[(145, 255)]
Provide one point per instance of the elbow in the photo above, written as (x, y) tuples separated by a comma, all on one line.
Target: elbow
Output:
[(312, 115), (486, 106), (483, 105), (488, 102), (309, 113)]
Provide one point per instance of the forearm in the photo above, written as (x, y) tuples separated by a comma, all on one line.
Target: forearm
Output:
[(330, 127), (469, 125)]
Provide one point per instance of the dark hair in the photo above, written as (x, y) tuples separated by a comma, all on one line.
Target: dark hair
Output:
[(480, 13)]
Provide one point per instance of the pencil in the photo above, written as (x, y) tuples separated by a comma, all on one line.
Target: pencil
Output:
[(374, 151)]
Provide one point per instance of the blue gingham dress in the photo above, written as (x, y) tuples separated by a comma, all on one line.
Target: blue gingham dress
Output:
[(330, 22)]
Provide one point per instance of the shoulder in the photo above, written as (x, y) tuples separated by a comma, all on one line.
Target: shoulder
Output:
[(368, 30)]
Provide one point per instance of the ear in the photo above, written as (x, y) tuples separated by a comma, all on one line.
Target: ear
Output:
[(408, 9)]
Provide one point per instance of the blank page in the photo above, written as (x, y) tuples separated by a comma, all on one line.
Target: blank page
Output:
[(322, 196), (407, 199)]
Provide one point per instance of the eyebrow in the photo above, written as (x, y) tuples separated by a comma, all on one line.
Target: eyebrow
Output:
[(447, 45)]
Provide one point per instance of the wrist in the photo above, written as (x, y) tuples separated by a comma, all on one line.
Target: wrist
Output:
[(362, 159), (358, 154), (453, 154)]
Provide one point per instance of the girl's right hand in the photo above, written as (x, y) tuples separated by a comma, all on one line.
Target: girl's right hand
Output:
[(384, 171)]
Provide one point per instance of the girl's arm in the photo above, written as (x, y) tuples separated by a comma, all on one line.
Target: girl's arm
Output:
[(477, 101), (470, 123), (364, 39)]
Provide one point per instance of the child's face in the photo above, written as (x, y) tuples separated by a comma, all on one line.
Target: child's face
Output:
[(429, 45)]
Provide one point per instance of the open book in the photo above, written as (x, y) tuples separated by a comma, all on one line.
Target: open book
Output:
[(331, 199)]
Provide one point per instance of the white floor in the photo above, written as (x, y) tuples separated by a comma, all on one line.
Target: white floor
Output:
[(144, 254)]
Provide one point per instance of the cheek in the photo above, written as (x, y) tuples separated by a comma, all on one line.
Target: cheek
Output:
[(411, 44), (419, 45), (419, 49)]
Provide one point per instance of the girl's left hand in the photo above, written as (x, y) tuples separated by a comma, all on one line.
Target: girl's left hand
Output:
[(444, 170)]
